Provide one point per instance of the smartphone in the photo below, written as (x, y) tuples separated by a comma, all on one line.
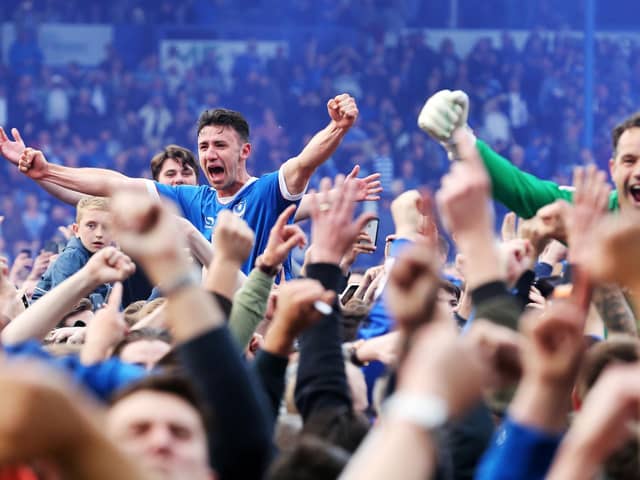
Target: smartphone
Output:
[(371, 229), (348, 292)]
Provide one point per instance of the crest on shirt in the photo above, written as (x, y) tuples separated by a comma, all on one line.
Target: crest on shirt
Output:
[(239, 208)]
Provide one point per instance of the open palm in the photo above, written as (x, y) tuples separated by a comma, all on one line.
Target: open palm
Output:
[(11, 150)]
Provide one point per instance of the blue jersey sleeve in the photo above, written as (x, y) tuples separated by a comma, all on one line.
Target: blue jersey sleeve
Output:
[(518, 452), (188, 198)]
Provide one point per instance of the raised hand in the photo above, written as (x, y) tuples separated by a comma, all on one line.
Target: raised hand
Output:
[(105, 330), (110, 265), (463, 198), (11, 150), (590, 200), (555, 343), (497, 351), (369, 187), (517, 256), (412, 288), (21, 265), (508, 230), (40, 265), (33, 163), (613, 251), (295, 312), (146, 231), (282, 239), (232, 238), (363, 244), (333, 228), (444, 112), (343, 111)]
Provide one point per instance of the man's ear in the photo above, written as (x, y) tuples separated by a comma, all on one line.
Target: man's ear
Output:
[(612, 164), (74, 229), (245, 151)]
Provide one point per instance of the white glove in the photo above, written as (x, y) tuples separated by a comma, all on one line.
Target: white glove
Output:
[(444, 112)]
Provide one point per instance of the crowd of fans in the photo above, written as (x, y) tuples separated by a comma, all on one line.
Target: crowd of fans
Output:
[(179, 339), (362, 14), (527, 104)]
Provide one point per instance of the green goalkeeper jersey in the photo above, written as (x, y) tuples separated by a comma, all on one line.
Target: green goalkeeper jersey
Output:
[(522, 192)]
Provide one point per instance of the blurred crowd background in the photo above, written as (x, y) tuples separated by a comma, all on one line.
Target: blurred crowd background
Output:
[(107, 84)]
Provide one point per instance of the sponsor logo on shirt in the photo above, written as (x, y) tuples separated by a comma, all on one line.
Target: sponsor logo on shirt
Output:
[(209, 222)]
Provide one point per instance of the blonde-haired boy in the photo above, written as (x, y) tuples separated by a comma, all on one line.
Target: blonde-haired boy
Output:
[(92, 232)]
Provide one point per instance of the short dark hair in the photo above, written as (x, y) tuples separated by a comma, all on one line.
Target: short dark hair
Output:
[(178, 153), (630, 122), (225, 117), (451, 288), (146, 333), (83, 305), (171, 383), (623, 349), (311, 458), (340, 426)]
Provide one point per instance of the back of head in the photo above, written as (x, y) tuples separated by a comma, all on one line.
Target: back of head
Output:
[(146, 333), (91, 203), (620, 349), (624, 463), (342, 427), (223, 117), (311, 458)]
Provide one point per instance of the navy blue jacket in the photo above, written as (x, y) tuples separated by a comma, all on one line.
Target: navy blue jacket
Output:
[(73, 258)]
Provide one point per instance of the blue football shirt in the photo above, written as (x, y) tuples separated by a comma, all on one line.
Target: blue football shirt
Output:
[(259, 202)]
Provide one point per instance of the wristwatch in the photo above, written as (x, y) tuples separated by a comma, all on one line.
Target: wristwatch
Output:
[(269, 270), (427, 411), (353, 356)]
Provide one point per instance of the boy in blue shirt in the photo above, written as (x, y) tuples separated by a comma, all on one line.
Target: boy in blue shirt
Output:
[(92, 233)]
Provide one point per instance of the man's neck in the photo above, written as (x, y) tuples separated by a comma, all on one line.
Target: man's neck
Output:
[(234, 188)]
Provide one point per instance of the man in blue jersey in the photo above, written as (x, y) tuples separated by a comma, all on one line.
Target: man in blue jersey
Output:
[(223, 150)]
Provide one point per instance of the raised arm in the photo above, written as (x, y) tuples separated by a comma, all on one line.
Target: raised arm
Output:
[(105, 266), (12, 150), (89, 181), (524, 194), (343, 113), (147, 231), (250, 303), (321, 383), (369, 189)]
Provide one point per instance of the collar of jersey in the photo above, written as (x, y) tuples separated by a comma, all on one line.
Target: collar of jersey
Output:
[(227, 200)]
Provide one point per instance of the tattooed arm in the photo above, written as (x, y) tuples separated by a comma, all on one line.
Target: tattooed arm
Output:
[(614, 309)]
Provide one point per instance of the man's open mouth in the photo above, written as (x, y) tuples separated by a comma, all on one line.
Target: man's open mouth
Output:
[(215, 170), (634, 190)]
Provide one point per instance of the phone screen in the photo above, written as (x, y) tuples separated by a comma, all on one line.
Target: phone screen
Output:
[(371, 229), (348, 293)]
